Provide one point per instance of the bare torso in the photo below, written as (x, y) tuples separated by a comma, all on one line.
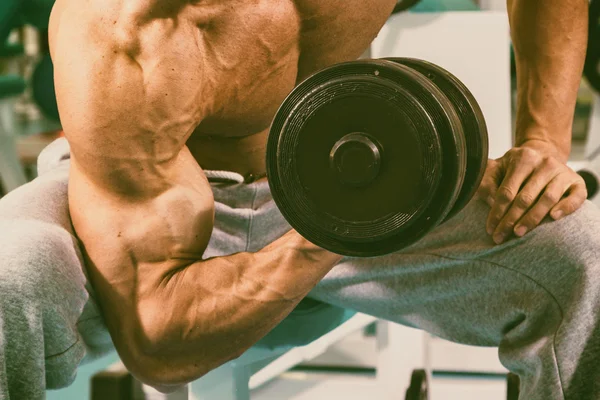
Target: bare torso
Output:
[(217, 68), (151, 92)]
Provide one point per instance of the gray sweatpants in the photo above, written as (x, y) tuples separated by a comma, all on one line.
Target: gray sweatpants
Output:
[(537, 297)]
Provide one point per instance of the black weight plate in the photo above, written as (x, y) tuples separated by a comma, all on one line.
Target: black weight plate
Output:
[(419, 386), (591, 68), (473, 122), (403, 5), (512, 386), (591, 182), (403, 112)]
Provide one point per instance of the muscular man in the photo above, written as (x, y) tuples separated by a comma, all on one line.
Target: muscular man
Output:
[(166, 106)]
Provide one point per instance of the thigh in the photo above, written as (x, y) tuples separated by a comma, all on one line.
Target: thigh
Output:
[(556, 255), (458, 284)]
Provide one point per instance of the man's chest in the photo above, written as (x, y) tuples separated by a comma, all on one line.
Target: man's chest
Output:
[(257, 53)]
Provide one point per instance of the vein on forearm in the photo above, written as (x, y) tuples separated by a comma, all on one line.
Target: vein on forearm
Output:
[(550, 40)]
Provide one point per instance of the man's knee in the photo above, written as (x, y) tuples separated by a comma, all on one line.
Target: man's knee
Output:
[(42, 295), (564, 256), (575, 239), (568, 264), (40, 268)]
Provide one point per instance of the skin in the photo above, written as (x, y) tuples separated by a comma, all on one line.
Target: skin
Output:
[(532, 180), (150, 92), (153, 91)]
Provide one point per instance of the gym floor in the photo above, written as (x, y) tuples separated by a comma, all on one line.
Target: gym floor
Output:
[(295, 386), (311, 383), (304, 384)]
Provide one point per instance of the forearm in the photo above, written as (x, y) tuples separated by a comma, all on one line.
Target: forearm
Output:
[(218, 308), (174, 316), (549, 39)]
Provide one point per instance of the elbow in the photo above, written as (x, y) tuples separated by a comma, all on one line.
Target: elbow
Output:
[(159, 358), (160, 380), (156, 361), (162, 371), (167, 373)]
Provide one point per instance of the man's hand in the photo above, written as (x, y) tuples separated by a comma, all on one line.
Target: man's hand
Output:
[(532, 180), (523, 187)]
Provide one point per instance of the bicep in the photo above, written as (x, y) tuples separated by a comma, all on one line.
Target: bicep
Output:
[(132, 246), (139, 202), (147, 234), (123, 91)]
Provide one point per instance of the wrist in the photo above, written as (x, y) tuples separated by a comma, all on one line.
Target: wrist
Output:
[(558, 147)]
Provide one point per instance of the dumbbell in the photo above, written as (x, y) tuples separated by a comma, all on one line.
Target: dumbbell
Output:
[(592, 182), (419, 386), (512, 386), (366, 157)]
